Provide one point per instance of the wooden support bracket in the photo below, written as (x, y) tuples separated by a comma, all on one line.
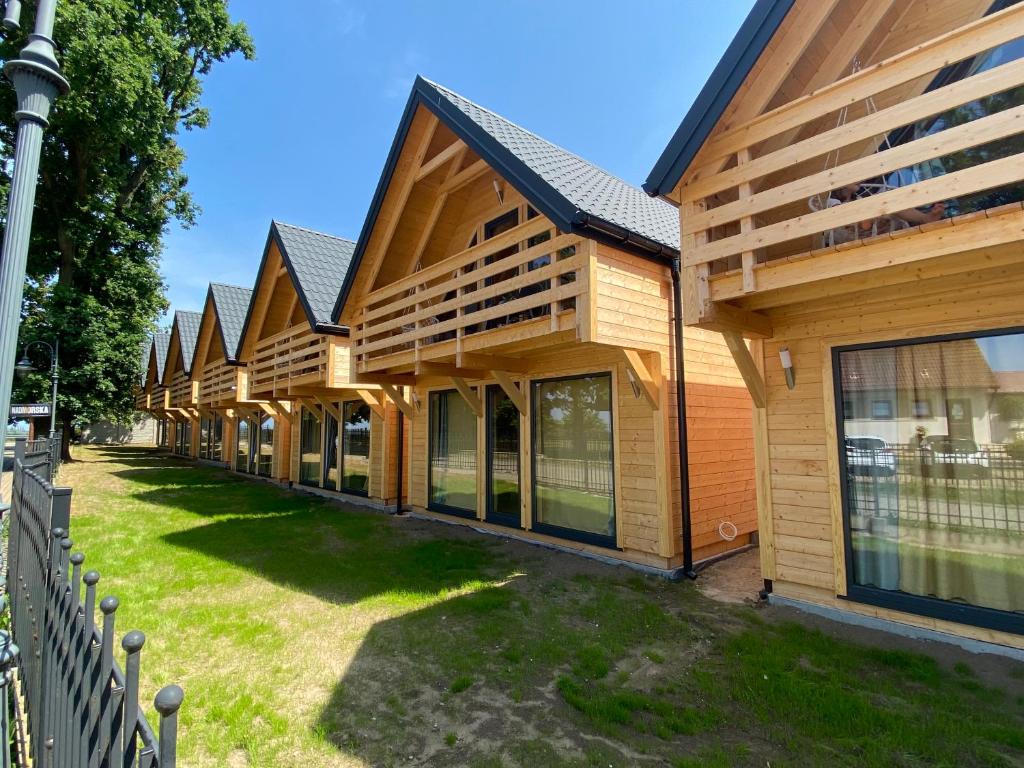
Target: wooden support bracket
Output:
[(330, 407), (468, 395), (748, 368), (444, 369), (370, 397), (312, 406), (647, 376), (515, 394), (396, 397)]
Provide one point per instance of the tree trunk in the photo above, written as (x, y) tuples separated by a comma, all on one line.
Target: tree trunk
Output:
[(65, 441)]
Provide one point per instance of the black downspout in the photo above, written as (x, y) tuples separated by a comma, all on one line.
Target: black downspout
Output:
[(401, 461), (684, 452)]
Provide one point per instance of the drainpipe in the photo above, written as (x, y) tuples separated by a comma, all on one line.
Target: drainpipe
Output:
[(684, 464), (401, 461)]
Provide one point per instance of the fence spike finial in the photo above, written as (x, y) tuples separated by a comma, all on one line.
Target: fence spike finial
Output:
[(109, 604), (168, 700), (133, 641), (91, 578)]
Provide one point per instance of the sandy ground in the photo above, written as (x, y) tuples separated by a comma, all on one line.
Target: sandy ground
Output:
[(735, 579)]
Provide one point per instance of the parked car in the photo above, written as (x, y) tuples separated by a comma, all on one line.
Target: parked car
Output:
[(945, 456), (869, 456)]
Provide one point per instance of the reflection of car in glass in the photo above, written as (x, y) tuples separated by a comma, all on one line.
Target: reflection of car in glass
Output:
[(945, 456), (870, 456)]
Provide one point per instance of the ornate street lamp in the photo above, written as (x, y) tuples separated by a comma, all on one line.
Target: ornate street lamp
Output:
[(25, 366), (37, 81)]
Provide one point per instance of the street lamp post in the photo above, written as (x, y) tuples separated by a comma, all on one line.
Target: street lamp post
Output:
[(37, 81), (25, 366)]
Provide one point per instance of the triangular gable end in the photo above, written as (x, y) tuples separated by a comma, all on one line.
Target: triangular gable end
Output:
[(220, 327), (447, 145), (180, 352)]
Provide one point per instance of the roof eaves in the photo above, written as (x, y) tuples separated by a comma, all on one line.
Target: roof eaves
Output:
[(739, 59), (296, 283)]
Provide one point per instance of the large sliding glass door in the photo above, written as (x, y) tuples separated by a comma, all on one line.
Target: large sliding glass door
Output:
[(452, 470), (931, 450), (245, 446), (503, 477), (573, 485), (355, 447), (330, 480), (265, 448)]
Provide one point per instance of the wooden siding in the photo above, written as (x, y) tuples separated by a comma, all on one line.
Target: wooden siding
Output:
[(806, 555)]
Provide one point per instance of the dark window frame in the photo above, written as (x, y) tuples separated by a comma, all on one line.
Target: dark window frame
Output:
[(930, 607), (341, 451), (491, 390), (318, 480), (571, 534), (432, 505)]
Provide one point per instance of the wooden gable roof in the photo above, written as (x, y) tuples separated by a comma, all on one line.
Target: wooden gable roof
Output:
[(446, 142), (158, 349), (315, 265), (221, 326), (789, 49), (182, 348)]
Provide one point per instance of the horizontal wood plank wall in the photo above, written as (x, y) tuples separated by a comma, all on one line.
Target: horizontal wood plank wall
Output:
[(296, 443), (634, 310), (808, 541)]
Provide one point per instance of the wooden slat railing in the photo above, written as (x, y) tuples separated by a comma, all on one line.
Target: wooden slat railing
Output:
[(218, 383), (762, 203), (476, 293), (296, 355), (182, 391)]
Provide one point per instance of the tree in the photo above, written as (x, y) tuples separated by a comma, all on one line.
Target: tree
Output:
[(111, 181)]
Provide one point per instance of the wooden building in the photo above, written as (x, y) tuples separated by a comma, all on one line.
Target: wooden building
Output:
[(524, 299), (150, 397), (310, 425), (849, 185), (219, 379), (181, 393)]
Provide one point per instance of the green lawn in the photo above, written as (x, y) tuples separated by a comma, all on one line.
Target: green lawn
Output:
[(310, 634)]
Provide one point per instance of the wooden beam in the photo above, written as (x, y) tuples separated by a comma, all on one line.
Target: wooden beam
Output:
[(312, 407), (369, 397), (380, 379), (748, 368), (720, 316), (435, 212), (404, 189), (282, 409), (464, 176), (473, 360), (452, 151), (468, 395), (268, 409), (396, 397), (330, 407), (512, 390), (648, 376), (425, 368)]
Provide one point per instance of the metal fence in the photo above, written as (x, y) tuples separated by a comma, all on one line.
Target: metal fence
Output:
[(75, 705), (979, 489)]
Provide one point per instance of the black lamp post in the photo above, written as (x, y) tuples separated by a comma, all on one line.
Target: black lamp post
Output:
[(24, 366)]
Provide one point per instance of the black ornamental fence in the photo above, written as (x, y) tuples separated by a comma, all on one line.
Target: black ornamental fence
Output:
[(69, 702)]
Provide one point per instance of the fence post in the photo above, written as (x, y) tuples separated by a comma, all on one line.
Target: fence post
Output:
[(167, 702), (132, 644), (110, 724)]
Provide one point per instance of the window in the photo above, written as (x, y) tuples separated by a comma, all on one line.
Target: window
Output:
[(881, 409), (503, 489), (217, 440), (242, 454), (309, 448), (452, 454), (355, 447), (932, 499), (573, 488), (204, 438), (330, 451), (265, 455)]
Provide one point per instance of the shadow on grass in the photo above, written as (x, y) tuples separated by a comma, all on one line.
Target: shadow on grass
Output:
[(496, 653)]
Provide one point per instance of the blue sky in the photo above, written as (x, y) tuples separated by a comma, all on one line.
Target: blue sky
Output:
[(302, 133)]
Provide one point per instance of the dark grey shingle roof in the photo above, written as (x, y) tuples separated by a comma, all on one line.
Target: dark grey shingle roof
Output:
[(231, 303), (319, 263), (161, 345), (188, 335), (589, 188)]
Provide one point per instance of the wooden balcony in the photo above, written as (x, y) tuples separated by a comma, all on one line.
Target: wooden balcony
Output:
[(296, 357), (521, 289), (764, 212), (222, 384), (183, 392)]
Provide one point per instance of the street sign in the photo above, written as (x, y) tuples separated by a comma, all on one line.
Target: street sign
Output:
[(30, 410)]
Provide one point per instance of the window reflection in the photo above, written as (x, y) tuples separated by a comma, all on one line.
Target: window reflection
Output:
[(935, 488), (309, 448), (452, 453), (265, 449), (355, 459)]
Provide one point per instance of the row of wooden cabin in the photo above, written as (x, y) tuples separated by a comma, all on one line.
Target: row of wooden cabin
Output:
[(497, 348), (838, 225)]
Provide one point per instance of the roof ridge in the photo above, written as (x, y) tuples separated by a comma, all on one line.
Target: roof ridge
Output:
[(229, 285), (312, 231), (535, 135)]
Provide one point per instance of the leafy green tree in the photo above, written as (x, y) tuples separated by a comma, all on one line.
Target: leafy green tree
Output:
[(111, 181)]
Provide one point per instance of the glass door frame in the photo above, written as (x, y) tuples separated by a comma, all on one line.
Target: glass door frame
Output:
[(930, 607), (491, 392)]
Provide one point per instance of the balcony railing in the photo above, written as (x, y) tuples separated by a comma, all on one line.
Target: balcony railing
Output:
[(521, 284), (295, 356), (182, 391), (219, 383), (840, 168)]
